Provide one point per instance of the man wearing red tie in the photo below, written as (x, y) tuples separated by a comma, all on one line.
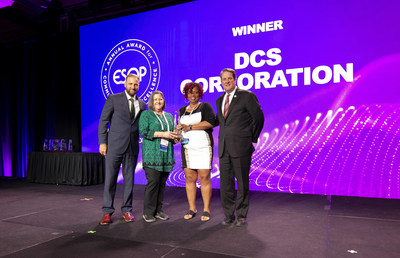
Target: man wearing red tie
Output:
[(241, 120)]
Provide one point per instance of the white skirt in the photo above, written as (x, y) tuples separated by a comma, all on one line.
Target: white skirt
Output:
[(197, 153)]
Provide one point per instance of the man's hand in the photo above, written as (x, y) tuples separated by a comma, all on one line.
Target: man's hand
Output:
[(103, 149)]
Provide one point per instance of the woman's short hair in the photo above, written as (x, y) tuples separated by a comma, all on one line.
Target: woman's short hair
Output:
[(190, 86), (151, 99)]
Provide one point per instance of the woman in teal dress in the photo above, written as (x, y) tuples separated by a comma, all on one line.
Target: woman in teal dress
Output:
[(156, 127)]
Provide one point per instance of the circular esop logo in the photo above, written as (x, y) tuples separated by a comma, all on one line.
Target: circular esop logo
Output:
[(130, 56)]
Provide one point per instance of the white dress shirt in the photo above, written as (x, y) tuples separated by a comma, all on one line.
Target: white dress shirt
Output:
[(135, 102), (230, 99)]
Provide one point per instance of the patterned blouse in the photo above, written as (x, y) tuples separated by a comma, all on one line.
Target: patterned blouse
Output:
[(152, 156)]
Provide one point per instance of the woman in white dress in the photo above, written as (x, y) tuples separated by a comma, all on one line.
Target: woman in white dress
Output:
[(196, 122)]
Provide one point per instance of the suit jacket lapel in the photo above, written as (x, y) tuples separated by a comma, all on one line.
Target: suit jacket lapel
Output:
[(219, 107), (233, 102), (141, 108), (126, 104)]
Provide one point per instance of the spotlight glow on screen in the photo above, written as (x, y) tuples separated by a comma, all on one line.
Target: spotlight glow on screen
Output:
[(5, 3), (326, 75)]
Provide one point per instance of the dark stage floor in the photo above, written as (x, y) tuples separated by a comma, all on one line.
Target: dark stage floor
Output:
[(39, 220)]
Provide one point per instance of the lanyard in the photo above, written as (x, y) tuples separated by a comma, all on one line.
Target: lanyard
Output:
[(162, 126), (192, 109)]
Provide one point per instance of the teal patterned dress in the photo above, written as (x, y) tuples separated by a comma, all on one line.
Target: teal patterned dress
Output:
[(152, 156)]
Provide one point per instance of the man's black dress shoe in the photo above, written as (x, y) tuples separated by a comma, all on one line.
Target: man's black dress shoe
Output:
[(240, 222), (227, 222)]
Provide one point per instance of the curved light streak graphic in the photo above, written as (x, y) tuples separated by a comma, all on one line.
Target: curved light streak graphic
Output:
[(351, 152)]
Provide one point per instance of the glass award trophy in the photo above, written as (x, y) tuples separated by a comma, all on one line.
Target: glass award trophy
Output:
[(184, 140), (176, 122)]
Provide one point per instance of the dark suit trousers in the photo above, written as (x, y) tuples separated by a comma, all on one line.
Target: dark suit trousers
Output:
[(113, 163), (154, 192), (231, 168)]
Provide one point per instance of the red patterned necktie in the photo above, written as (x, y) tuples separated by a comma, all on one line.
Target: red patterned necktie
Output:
[(226, 107)]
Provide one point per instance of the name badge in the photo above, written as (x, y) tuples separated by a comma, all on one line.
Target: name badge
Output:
[(164, 145)]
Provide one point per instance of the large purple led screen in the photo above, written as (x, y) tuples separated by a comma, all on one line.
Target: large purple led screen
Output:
[(326, 75)]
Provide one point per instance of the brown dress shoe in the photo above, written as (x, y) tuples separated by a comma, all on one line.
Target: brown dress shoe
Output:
[(106, 219), (128, 217)]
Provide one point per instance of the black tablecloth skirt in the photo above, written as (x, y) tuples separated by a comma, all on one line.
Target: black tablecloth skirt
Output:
[(71, 168)]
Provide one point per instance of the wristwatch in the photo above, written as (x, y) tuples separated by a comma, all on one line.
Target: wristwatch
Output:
[(190, 127)]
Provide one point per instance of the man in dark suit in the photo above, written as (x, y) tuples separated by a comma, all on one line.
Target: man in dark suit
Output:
[(119, 143), (241, 120)]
